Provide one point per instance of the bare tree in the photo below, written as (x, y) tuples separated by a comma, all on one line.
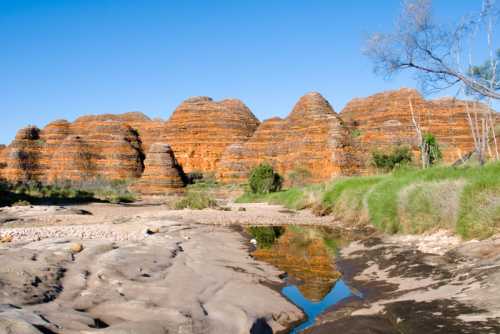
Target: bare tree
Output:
[(420, 137), (435, 54)]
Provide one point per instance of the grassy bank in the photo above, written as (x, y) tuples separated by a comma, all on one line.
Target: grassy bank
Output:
[(465, 200), (89, 191)]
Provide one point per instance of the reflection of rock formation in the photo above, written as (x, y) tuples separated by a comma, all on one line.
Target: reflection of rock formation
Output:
[(162, 174), (304, 256), (312, 137)]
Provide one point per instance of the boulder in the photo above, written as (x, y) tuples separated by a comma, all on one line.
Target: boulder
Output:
[(162, 174)]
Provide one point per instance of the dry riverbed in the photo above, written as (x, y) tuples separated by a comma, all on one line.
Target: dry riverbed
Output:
[(101, 268)]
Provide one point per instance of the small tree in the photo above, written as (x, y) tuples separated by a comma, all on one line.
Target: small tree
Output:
[(431, 148), (263, 179), (437, 53)]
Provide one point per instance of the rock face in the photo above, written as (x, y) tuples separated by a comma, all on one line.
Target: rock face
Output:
[(162, 174), (23, 156), (311, 138), (382, 121), (3, 158), (79, 151), (201, 129), (225, 139)]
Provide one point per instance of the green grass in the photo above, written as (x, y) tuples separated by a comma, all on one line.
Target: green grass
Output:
[(462, 199), (88, 191), (294, 198), (196, 200)]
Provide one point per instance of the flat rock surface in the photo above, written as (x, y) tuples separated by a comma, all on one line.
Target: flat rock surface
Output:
[(138, 272)]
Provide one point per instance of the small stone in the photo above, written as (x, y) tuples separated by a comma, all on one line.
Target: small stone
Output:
[(6, 238), (150, 231), (76, 247)]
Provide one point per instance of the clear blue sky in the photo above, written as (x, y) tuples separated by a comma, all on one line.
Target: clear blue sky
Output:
[(63, 59)]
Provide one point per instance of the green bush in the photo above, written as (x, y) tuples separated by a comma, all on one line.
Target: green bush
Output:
[(400, 156), (263, 180), (432, 149), (83, 191), (197, 200)]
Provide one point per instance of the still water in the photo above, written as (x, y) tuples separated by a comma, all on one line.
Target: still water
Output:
[(307, 255)]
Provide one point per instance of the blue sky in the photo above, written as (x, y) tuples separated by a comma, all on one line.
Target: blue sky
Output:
[(66, 58)]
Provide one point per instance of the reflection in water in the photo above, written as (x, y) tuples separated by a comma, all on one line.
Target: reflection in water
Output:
[(312, 309), (307, 254)]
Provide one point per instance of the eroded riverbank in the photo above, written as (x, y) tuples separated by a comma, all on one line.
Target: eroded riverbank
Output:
[(149, 269), (176, 278)]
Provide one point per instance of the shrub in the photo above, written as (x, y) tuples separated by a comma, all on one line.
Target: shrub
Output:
[(400, 156), (194, 177), (431, 149), (263, 180), (21, 203), (299, 177), (197, 200)]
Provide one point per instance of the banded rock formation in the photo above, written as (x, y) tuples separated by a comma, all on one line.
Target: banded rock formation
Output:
[(22, 156), (201, 129), (312, 138), (78, 151), (226, 139), (162, 174), (3, 158), (382, 121)]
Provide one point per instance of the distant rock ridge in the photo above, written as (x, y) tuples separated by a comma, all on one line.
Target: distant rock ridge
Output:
[(225, 139)]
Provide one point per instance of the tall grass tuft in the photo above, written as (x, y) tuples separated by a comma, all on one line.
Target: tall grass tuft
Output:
[(408, 200)]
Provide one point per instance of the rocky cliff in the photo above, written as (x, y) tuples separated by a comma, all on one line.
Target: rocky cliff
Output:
[(383, 121), (311, 139), (79, 151), (224, 138), (201, 129)]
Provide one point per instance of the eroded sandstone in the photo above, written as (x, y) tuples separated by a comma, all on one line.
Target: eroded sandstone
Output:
[(312, 138), (225, 139), (162, 174), (383, 121)]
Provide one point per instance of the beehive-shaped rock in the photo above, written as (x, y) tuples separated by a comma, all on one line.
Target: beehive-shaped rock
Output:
[(72, 160), (382, 121), (200, 130), (311, 138), (162, 174), (91, 147), (23, 156), (148, 130)]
